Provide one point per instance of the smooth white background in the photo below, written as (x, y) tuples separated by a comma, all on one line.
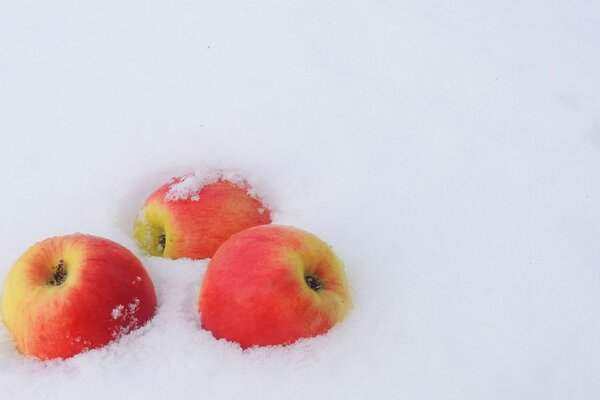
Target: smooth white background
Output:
[(449, 152)]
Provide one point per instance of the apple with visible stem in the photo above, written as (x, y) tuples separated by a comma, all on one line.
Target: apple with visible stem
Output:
[(190, 217), (69, 294), (272, 285)]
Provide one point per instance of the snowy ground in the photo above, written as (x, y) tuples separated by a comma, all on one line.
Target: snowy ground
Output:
[(451, 155)]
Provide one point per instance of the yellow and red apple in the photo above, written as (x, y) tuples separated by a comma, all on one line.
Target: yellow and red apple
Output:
[(73, 293), (272, 285), (182, 219)]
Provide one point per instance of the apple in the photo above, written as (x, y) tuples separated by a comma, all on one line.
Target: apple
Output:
[(190, 217), (272, 285), (69, 294)]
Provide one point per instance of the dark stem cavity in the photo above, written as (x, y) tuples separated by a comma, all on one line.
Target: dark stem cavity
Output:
[(162, 242), (313, 282), (59, 275)]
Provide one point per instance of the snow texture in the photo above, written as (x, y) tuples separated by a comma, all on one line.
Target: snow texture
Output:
[(189, 186), (450, 154)]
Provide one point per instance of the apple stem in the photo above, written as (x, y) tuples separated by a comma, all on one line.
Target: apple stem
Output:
[(313, 282), (59, 276)]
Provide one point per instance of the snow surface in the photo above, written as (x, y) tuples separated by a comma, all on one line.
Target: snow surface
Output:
[(450, 154)]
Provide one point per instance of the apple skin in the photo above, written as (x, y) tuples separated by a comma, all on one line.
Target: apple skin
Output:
[(195, 227), (105, 294), (255, 291)]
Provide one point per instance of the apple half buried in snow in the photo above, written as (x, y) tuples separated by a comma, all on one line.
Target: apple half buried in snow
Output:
[(73, 293), (190, 216), (272, 285)]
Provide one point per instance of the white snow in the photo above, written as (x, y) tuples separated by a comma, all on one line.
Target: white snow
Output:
[(450, 154), (189, 186), (117, 311), (132, 307)]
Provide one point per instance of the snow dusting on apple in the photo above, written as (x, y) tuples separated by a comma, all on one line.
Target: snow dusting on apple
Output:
[(188, 186)]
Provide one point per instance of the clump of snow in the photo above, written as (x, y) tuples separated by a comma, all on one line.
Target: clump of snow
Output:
[(117, 311), (190, 185), (133, 307)]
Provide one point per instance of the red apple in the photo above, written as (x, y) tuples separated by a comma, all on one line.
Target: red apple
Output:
[(272, 285), (190, 217), (73, 293)]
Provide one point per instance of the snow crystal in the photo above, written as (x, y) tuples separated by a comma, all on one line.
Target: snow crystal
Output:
[(132, 307), (127, 315), (117, 311), (121, 311)]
